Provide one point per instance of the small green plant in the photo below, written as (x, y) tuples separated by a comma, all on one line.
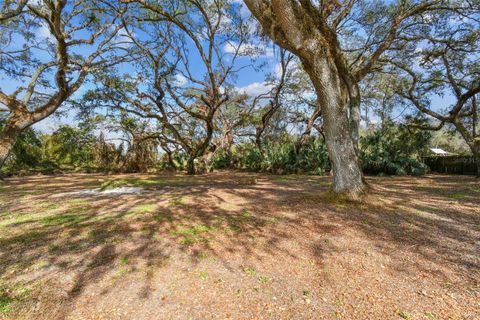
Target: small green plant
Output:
[(5, 301), (429, 315), (263, 279), (203, 275), (124, 261), (250, 271), (120, 274), (403, 314), (202, 255), (339, 303), (188, 241), (245, 214), (233, 226)]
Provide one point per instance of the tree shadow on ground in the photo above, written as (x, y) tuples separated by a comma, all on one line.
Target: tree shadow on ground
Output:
[(244, 215)]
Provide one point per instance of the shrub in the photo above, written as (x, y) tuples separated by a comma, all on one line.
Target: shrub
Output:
[(277, 156), (394, 150)]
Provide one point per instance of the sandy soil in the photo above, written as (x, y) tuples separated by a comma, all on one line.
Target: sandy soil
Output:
[(239, 246)]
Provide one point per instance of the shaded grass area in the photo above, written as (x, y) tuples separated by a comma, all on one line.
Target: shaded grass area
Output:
[(37, 233), (200, 218), (150, 182)]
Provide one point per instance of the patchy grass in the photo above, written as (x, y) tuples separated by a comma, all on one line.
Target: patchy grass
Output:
[(64, 219), (121, 274), (8, 296), (192, 235), (15, 219), (24, 238), (220, 228), (459, 195), (77, 203), (176, 201), (195, 230), (54, 248), (293, 177), (148, 182), (328, 197), (145, 208), (5, 302), (124, 261), (50, 205), (45, 214), (427, 209), (161, 216)]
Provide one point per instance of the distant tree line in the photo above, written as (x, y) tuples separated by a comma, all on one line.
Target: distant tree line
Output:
[(392, 149), (356, 84)]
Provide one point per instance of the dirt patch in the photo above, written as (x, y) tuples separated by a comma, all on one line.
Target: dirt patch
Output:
[(99, 192), (238, 246)]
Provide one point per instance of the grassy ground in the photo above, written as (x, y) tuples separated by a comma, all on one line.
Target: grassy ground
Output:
[(239, 246)]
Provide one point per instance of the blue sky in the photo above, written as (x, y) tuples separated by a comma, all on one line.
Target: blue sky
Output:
[(249, 80)]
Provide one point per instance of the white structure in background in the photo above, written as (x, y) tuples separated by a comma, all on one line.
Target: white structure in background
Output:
[(440, 152)]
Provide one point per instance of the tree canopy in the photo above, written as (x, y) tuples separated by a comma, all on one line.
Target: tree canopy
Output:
[(299, 86)]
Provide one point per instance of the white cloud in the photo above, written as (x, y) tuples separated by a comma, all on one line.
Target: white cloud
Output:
[(122, 39), (244, 12), (255, 50), (180, 80), (255, 88), (44, 32), (277, 69)]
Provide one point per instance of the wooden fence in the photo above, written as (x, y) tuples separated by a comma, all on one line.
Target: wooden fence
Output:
[(451, 164)]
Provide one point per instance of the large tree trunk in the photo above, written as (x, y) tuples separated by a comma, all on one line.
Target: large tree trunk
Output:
[(8, 137), (336, 108), (6, 145), (191, 166)]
